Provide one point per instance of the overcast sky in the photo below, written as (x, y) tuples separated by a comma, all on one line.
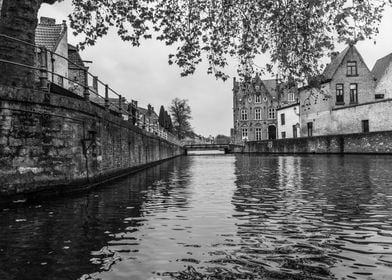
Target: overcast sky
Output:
[(143, 73)]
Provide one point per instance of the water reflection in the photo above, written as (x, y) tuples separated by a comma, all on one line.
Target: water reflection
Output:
[(228, 217)]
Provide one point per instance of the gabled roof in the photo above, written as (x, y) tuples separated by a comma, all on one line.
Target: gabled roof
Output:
[(271, 85), (381, 66), (74, 57), (49, 34), (333, 66)]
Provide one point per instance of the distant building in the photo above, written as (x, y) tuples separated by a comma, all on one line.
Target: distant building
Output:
[(254, 108), (382, 71), (288, 121), (76, 71), (148, 119), (53, 37)]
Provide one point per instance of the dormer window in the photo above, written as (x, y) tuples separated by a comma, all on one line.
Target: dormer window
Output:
[(352, 68), (258, 99)]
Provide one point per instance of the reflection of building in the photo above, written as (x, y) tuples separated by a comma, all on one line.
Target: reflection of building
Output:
[(53, 37), (288, 121), (254, 108)]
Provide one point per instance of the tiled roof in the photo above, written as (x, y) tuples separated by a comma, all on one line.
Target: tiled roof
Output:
[(49, 35), (331, 68), (381, 65), (74, 57)]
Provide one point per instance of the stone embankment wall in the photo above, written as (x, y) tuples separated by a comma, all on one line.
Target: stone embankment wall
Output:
[(365, 143), (59, 143)]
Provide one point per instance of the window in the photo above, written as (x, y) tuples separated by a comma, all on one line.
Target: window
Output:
[(352, 68), (295, 135), (283, 134), (379, 96), (339, 94), (244, 115), (310, 129), (258, 114), (60, 81), (258, 133), (271, 113), (282, 119), (244, 133), (353, 93), (290, 96), (365, 126), (258, 99)]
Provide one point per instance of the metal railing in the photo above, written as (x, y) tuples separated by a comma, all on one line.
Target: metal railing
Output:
[(121, 106)]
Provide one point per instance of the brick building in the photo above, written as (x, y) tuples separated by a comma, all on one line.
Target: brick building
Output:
[(53, 37), (76, 71), (351, 98), (254, 108)]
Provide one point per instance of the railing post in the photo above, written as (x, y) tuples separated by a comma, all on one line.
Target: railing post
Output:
[(43, 77), (106, 97), (129, 112), (52, 60), (86, 92), (95, 84)]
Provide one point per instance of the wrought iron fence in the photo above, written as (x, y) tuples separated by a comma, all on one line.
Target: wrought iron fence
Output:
[(117, 104)]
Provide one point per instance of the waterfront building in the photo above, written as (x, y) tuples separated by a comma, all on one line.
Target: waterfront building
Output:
[(288, 121), (148, 119), (53, 37), (77, 71), (254, 108), (345, 101)]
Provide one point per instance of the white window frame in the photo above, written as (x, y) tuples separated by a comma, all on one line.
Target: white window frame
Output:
[(244, 133), (257, 113), (290, 96), (271, 113), (258, 133), (258, 98), (244, 115)]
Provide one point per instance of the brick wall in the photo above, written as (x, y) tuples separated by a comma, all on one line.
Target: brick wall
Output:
[(372, 143), (41, 143)]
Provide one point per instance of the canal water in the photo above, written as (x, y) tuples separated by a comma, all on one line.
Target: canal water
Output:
[(212, 217)]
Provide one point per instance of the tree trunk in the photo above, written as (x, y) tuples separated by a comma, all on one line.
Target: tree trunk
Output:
[(18, 19)]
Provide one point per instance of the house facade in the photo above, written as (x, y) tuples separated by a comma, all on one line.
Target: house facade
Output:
[(254, 108), (288, 121), (76, 71), (382, 71), (53, 37), (346, 83)]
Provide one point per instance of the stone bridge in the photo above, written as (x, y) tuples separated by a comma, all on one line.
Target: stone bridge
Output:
[(227, 148)]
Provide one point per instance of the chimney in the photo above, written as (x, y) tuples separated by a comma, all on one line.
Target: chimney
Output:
[(333, 55), (149, 108), (47, 21), (152, 109)]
